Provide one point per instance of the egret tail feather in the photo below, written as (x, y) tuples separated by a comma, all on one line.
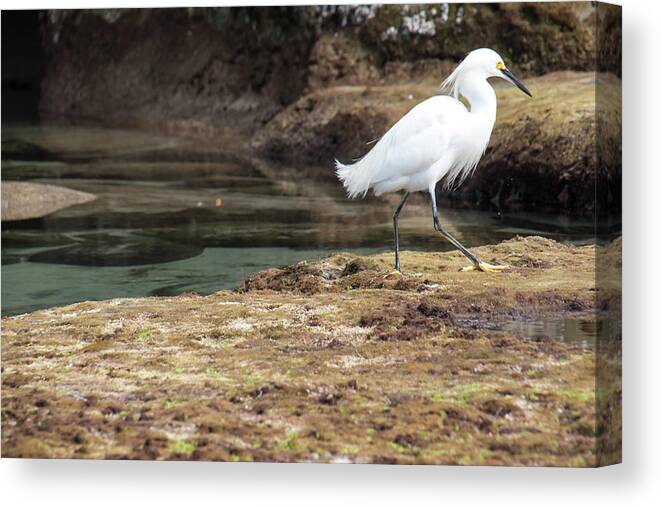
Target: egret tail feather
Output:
[(351, 178), (360, 176)]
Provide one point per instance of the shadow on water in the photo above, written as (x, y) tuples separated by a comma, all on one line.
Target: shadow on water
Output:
[(169, 219)]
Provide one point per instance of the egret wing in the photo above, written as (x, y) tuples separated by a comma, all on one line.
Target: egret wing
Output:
[(417, 140), (411, 146)]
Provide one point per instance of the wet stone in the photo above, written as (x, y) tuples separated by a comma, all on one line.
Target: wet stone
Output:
[(108, 251), (17, 149)]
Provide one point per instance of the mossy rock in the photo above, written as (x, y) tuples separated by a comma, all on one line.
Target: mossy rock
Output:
[(535, 37)]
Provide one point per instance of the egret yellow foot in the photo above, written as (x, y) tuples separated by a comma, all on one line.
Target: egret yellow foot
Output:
[(395, 273), (485, 267)]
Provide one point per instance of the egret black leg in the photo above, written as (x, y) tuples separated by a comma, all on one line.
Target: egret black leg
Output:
[(447, 235), (395, 226)]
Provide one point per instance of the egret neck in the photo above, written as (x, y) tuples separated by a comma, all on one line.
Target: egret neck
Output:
[(481, 96)]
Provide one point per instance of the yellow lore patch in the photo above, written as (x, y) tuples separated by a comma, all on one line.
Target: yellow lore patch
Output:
[(500, 66)]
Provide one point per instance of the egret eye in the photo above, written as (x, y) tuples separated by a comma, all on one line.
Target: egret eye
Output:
[(500, 66)]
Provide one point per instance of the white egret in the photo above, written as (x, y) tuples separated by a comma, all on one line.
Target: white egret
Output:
[(439, 139)]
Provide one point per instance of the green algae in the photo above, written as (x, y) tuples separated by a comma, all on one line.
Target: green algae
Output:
[(183, 447)]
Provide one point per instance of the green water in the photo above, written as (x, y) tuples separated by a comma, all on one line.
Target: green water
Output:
[(173, 217)]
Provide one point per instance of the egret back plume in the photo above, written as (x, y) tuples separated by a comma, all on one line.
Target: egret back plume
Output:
[(451, 83)]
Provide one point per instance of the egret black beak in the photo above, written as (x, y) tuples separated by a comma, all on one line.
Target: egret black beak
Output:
[(511, 77)]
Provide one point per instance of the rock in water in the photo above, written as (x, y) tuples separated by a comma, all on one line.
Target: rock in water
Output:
[(23, 200), (100, 250)]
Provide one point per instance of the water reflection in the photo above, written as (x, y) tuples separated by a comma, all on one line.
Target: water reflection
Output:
[(578, 330)]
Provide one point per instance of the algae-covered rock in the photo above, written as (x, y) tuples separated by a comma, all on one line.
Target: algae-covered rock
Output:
[(333, 122), (323, 361), (537, 37), (110, 251), (544, 152)]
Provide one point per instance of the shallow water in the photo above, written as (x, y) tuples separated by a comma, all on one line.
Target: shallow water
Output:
[(578, 329), (172, 217)]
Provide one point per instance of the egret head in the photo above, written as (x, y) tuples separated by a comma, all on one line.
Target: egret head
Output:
[(486, 63)]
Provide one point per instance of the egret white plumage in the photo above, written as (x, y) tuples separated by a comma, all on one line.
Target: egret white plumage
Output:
[(439, 139)]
